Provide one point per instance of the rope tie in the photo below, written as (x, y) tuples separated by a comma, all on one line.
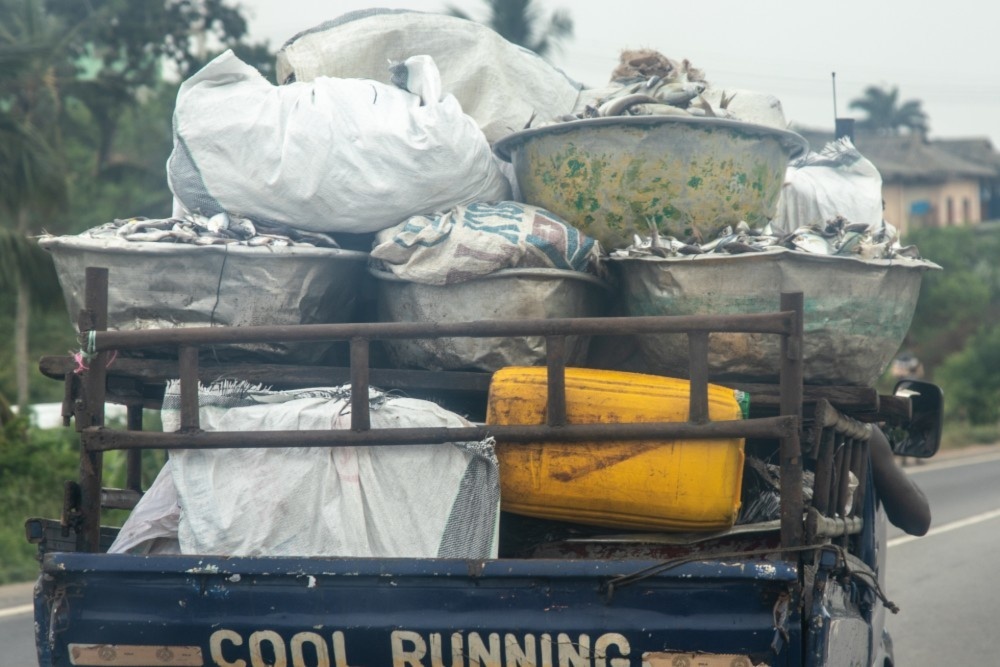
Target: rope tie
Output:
[(86, 354)]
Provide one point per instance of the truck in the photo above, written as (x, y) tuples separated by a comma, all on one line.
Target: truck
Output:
[(806, 588)]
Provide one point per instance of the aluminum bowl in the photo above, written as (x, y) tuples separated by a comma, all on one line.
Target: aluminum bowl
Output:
[(155, 285), (612, 177), (857, 311), (510, 294)]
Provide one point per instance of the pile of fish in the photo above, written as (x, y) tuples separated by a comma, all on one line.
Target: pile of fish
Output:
[(648, 83), (219, 229), (835, 237)]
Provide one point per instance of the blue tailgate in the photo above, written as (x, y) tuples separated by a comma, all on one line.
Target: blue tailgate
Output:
[(189, 610)]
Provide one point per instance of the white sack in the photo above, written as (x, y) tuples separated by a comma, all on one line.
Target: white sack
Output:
[(152, 525), (501, 85), (482, 238), (837, 181), (393, 501), (330, 155)]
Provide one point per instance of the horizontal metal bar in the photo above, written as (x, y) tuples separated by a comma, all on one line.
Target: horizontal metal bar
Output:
[(775, 323), (103, 439), (119, 499), (827, 416)]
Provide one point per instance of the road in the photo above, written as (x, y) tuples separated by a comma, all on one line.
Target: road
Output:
[(942, 582), (17, 628)]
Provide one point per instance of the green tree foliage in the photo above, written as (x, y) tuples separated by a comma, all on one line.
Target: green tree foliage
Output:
[(954, 330), (85, 126), (886, 115), (956, 301), (33, 466), (522, 22), (970, 381), (32, 180), (86, 96)]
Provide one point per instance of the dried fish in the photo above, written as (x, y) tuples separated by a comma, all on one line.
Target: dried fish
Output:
[(219, 229)]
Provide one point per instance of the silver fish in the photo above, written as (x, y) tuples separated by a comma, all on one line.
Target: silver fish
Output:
[(809, 241), (153, 235), (218, 222)]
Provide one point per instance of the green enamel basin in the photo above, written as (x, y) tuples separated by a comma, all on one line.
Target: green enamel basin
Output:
[(613, 177)]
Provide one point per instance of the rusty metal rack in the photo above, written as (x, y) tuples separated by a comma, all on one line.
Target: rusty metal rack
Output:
[(839, 443)]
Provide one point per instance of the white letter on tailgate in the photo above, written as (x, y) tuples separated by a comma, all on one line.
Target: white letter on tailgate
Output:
[(601, 650), (322, 655), (412, 657), (277, 645), (215, 641)]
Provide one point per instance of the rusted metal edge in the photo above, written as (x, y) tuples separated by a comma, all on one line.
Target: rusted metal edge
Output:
[(104, 439), (827, 416), (823, 526), (765, 323)]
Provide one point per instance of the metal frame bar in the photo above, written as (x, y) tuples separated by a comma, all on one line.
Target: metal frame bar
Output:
[(841, 447), (787, 323)]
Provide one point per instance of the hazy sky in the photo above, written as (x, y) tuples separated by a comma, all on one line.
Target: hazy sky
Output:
[(945, 54)]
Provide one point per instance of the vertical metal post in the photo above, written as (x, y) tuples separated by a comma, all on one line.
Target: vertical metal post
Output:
[(187, 359), (555, 357), (862, 473), (844, 479), (133, 460), (698, 361), (837, 467), (94, 317), (824, 473), (792, 527), (851, 448), (360, 416)]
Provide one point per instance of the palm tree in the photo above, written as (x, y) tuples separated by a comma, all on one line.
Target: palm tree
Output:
[(521, 22), (885, 114), (32, 182)]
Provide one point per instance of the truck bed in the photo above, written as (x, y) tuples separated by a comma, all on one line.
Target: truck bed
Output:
[(774, 594)]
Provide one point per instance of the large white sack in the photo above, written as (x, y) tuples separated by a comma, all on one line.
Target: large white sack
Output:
[(500, 84), (392, 501), (838, 181), (329, 155)]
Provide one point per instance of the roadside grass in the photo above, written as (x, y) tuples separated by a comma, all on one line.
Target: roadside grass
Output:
[(34, 465), (957, 434)]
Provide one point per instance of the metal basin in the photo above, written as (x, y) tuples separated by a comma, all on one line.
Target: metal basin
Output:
[(857, 312), (609, 177), (152, 285), (510, 294)]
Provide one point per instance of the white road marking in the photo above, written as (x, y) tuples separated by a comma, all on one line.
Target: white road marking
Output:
[(14, 611), (948, 527), (952, 463)]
